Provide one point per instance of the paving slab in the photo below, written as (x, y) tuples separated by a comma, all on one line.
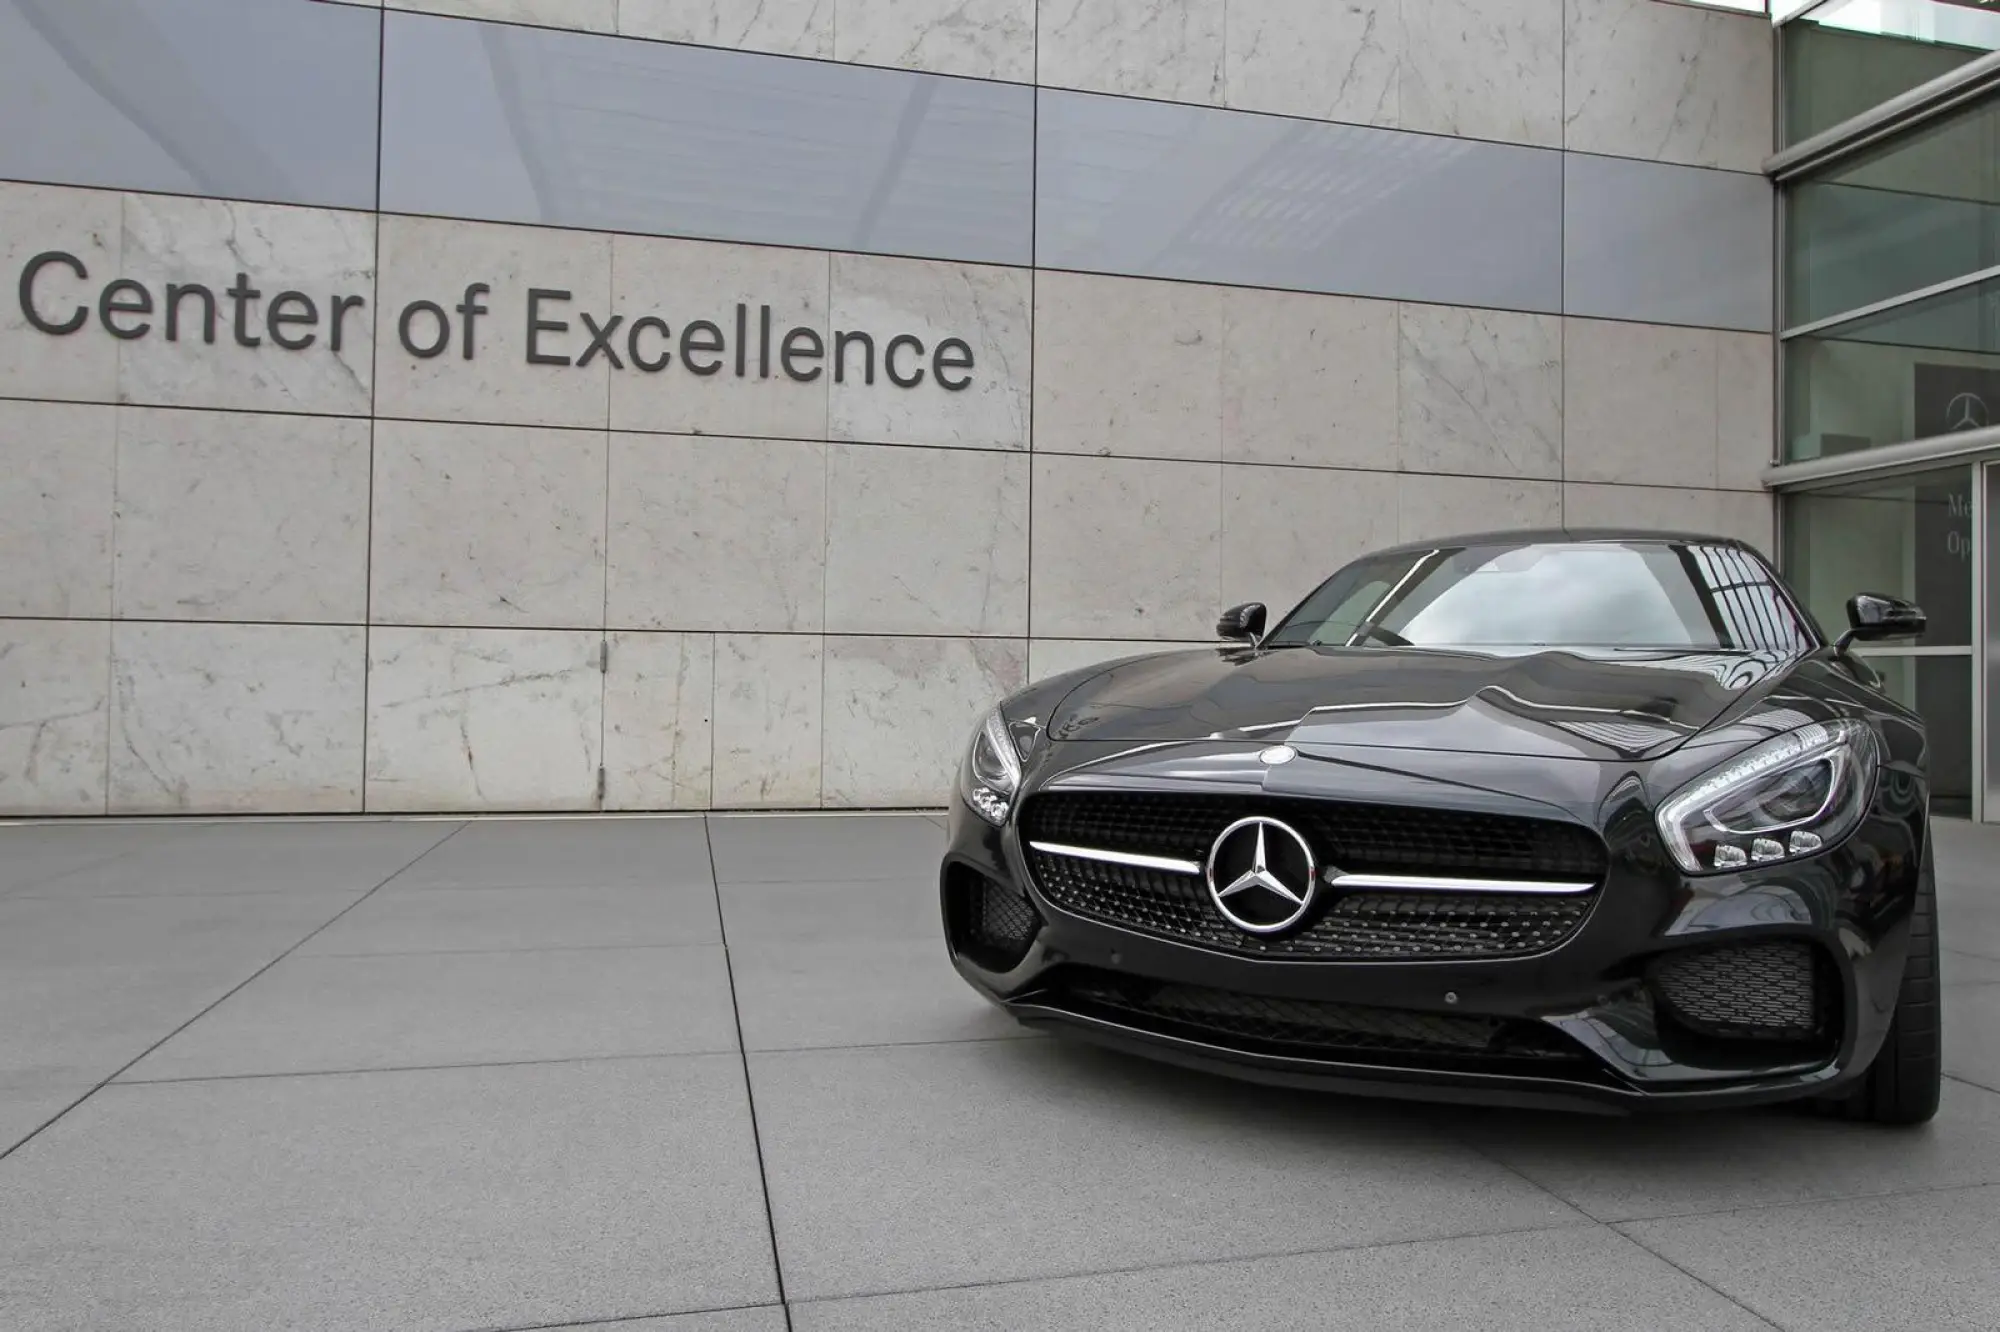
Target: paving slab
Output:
[(316, 1014), (430, 1201), (1923, 1260), (595, 852), (41, 932), (81, 1024), (853, 963), (485, 919), (904, 1167), (760, 848), (27, 1107), (1670, 1165), (1957, 968), (758, 1318), (1972, 1034), (254, 857), (849, 992), (1586, 1279)]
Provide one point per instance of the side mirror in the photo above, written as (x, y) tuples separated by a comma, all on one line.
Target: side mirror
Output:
[(1245, 622), (1872, 618)]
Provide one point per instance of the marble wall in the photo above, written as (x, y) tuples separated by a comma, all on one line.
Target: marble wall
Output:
[(452, 562)]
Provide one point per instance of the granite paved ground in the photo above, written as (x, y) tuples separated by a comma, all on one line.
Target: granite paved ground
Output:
[(714, 1075)]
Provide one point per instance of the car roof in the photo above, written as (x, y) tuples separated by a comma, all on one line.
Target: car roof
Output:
[(1570, 536)]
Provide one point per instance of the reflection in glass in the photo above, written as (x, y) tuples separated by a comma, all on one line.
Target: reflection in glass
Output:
[(574, 129), (1639, 594), (1922, 208), (1849, 55), (1940, 689), (1920, 370), (271, 100), (1908, 537), (1151, 189)]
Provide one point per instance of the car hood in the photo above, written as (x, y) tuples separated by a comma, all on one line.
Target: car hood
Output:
[(1552, 703)]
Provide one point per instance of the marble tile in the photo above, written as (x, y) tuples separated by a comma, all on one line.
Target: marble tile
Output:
[(900, 710), (435, 260), (325, 260), (1308, 379), (926, 541), (1126, 548), (1750, 517), (1658, 508), (55, 508), (1491, 69), (680, 282), (1128, 366), (1327, 59), (582, 15), (988, 39), (986, 308), (1668, 83), (1639, 404), (768, 720), (240, 516), (1481, 392), (54, 715), (483, 719), (1054, 656), (659, 704), (488, 525), (722, 534), (236, 718), (1169, 49), (782, 27), (89, 226), (1444, 506), (1746, 383), (1286, 530)]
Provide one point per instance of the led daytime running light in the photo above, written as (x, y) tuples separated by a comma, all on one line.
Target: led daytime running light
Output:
[(1845, 746)]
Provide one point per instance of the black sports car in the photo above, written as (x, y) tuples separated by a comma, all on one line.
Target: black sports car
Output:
[(1594, 819)]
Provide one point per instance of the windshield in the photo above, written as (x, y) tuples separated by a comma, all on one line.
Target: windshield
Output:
[(1632, 594)]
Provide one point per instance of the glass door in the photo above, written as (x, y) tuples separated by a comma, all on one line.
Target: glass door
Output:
[(1908, 536)]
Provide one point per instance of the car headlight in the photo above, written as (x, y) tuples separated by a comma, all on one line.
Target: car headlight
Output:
[(1792, 796), (992, 774)]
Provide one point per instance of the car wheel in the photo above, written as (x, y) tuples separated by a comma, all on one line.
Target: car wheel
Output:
[(1902, 1086)]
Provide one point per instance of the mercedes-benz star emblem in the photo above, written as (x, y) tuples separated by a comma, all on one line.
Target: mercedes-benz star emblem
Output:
[(1967, 411), (1261, 875)]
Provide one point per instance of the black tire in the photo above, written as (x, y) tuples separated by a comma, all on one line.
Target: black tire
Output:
[(1902, 1086)]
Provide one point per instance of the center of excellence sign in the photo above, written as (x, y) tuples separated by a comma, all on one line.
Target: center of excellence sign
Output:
[(56, 300)]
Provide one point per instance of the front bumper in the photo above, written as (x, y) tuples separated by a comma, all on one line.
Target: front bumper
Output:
[(1580, 1026)]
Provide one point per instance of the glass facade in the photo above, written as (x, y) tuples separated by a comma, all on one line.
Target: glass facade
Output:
[(1839, 58), (1891, 335)]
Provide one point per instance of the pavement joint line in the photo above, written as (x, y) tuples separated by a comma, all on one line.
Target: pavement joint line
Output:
[(1968, 1082), (1967, 952), (117, 1080), (1829, 1200), (749, 1090), (528, 948), (552, 1061), (225, 998), (616, 1319), (1219, 1260), (1699, 1280)]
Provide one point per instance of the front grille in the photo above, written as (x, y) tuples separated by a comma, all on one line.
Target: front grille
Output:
[(989, 922), (1778, 991), (1302, 1026), (1410, 925), (1395, 839)]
